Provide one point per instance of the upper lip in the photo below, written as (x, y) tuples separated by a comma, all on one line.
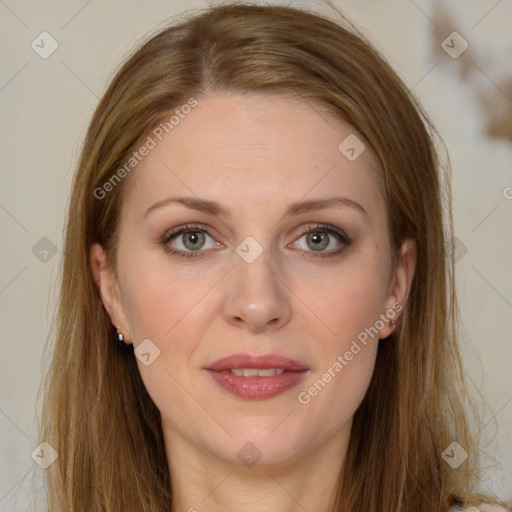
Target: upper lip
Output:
[(257, 361)]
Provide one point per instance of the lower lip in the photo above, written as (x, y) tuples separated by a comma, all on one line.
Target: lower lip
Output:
[(256, 388)]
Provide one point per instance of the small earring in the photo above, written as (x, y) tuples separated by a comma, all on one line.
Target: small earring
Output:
[(393, 324), (119, 339)]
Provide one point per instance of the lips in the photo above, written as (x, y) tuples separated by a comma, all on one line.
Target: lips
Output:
[(257, 377), (260, 362)]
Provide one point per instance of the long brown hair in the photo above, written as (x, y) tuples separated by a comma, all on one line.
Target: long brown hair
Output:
[(97, 413)]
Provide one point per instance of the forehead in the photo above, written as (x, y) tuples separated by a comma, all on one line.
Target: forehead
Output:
[(251, 149)]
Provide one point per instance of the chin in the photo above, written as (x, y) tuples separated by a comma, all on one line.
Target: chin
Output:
[(260, 449)]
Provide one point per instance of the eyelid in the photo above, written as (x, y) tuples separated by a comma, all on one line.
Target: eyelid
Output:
[(327, 228), (183, 229)]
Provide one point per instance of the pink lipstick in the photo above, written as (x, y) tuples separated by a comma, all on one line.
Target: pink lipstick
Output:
[(257, 377)]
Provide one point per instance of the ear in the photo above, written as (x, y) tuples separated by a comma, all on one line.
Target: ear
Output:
[(106, 282), (400, 285)]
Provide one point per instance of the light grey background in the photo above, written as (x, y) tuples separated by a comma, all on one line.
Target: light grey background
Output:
[(46, 104)]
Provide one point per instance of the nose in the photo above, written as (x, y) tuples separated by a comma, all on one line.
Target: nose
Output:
[(258, 298)]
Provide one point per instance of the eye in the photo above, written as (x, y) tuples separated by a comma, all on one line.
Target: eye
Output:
[(188, 241), (321, 237)]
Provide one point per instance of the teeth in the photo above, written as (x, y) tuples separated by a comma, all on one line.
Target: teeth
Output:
[(256, 372)]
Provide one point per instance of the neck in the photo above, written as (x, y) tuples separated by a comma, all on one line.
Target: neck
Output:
[(203, 482)]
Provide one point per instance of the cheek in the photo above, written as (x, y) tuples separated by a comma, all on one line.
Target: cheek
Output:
[(349, 312), (345, 301), (165, 310), (149, 306), (156, 302), (347, 309), (336, 393)]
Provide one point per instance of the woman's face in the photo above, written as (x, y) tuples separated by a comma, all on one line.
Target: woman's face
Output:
[(250, 176)]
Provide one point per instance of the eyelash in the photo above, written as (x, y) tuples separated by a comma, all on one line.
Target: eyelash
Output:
[(319, 228)]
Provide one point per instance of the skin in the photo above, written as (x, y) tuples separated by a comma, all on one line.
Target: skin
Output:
[(255, 155)]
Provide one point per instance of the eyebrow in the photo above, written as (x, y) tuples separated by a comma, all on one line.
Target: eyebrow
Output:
[(214, 208)]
